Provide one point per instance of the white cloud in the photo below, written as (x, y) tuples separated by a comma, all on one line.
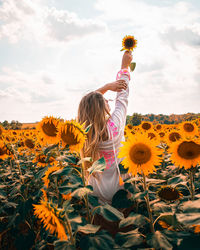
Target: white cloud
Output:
[(32, 21)]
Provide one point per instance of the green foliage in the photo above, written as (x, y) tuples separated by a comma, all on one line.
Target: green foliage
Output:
[(124, 223)]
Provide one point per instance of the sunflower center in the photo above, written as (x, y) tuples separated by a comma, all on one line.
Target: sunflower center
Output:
[(169, 194), (140, 153), (2, 151), (188, 127), (129, 43), (146, 126), (158, 127), (68, 137), (174, 136), (188, 150), (151, 135), (162, 134), (29, 143), (41, 158), (49, 129)]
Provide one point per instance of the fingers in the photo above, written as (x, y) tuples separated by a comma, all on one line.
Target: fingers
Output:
[(123, 84)]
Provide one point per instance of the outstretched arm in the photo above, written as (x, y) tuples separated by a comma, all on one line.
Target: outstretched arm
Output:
[(116, 86), (121, 104)]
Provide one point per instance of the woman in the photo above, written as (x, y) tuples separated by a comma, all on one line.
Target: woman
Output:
[(106, 132)]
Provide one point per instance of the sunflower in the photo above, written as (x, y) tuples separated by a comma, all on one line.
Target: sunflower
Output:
[(29, 143), (129, 126), (146, 126), (173, 136), (168, 193), (129, 43), (188, 129), (141, 154), (48, 129), (3, 151), (51, 218), (159, 127), (72, 134), (44, 197), (185, 153), (48, 172), (151, 135)]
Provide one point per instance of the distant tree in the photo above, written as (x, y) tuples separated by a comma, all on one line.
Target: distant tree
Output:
[(151, 117), (136, 118), (12, 125)]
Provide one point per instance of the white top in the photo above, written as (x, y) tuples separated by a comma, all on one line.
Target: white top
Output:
[(107, 183)]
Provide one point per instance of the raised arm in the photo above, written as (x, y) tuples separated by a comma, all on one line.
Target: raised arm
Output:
[(113, 86), (121, 104)]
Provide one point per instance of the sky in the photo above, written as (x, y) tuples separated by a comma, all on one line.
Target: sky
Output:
[(53, 52)]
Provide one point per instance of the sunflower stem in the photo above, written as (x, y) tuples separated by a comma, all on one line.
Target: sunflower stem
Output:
[(86, 196), (191, 173), (148, 205), (20, 172), (69, 230)]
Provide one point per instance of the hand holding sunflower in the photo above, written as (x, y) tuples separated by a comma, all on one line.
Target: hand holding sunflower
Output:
[(128, 44)]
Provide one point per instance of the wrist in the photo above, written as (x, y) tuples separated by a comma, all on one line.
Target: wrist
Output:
[(123, 71), (125, 67), (107, 86)]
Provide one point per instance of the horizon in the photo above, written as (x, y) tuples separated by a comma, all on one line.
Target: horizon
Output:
[(126, 115), (55, 52)]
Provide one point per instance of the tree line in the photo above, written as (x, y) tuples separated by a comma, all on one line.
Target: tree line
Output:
[(137, 118)]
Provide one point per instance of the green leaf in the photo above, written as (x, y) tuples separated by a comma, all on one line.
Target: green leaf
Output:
[(93, 200), (68, 207), (161, 207), (135, 219), (81, 192), (129, 239), (85, 159), (88, 229), (131, 188), (109, 213), (190, 206), (63, 245), (121, 49), (158, 241), (170, 219), (177, 179), (97, 166), (49, 148), (132, 66), (68, 188), (88, 128), (101, 241), (189, 219), (139, 195), (70, 159), (120, 199)]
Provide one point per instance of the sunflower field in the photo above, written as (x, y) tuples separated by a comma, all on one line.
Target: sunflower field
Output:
[(46, 202)]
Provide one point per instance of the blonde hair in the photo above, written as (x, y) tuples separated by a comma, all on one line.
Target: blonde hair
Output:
[(93, 110)]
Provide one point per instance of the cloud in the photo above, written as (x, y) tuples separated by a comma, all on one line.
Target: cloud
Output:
[(176, 37), (65, 26), (26, 20)]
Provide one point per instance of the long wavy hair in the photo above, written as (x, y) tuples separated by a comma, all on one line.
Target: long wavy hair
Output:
[(93, 111)]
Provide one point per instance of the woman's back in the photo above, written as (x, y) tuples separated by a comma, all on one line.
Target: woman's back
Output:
[(105, 136)]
